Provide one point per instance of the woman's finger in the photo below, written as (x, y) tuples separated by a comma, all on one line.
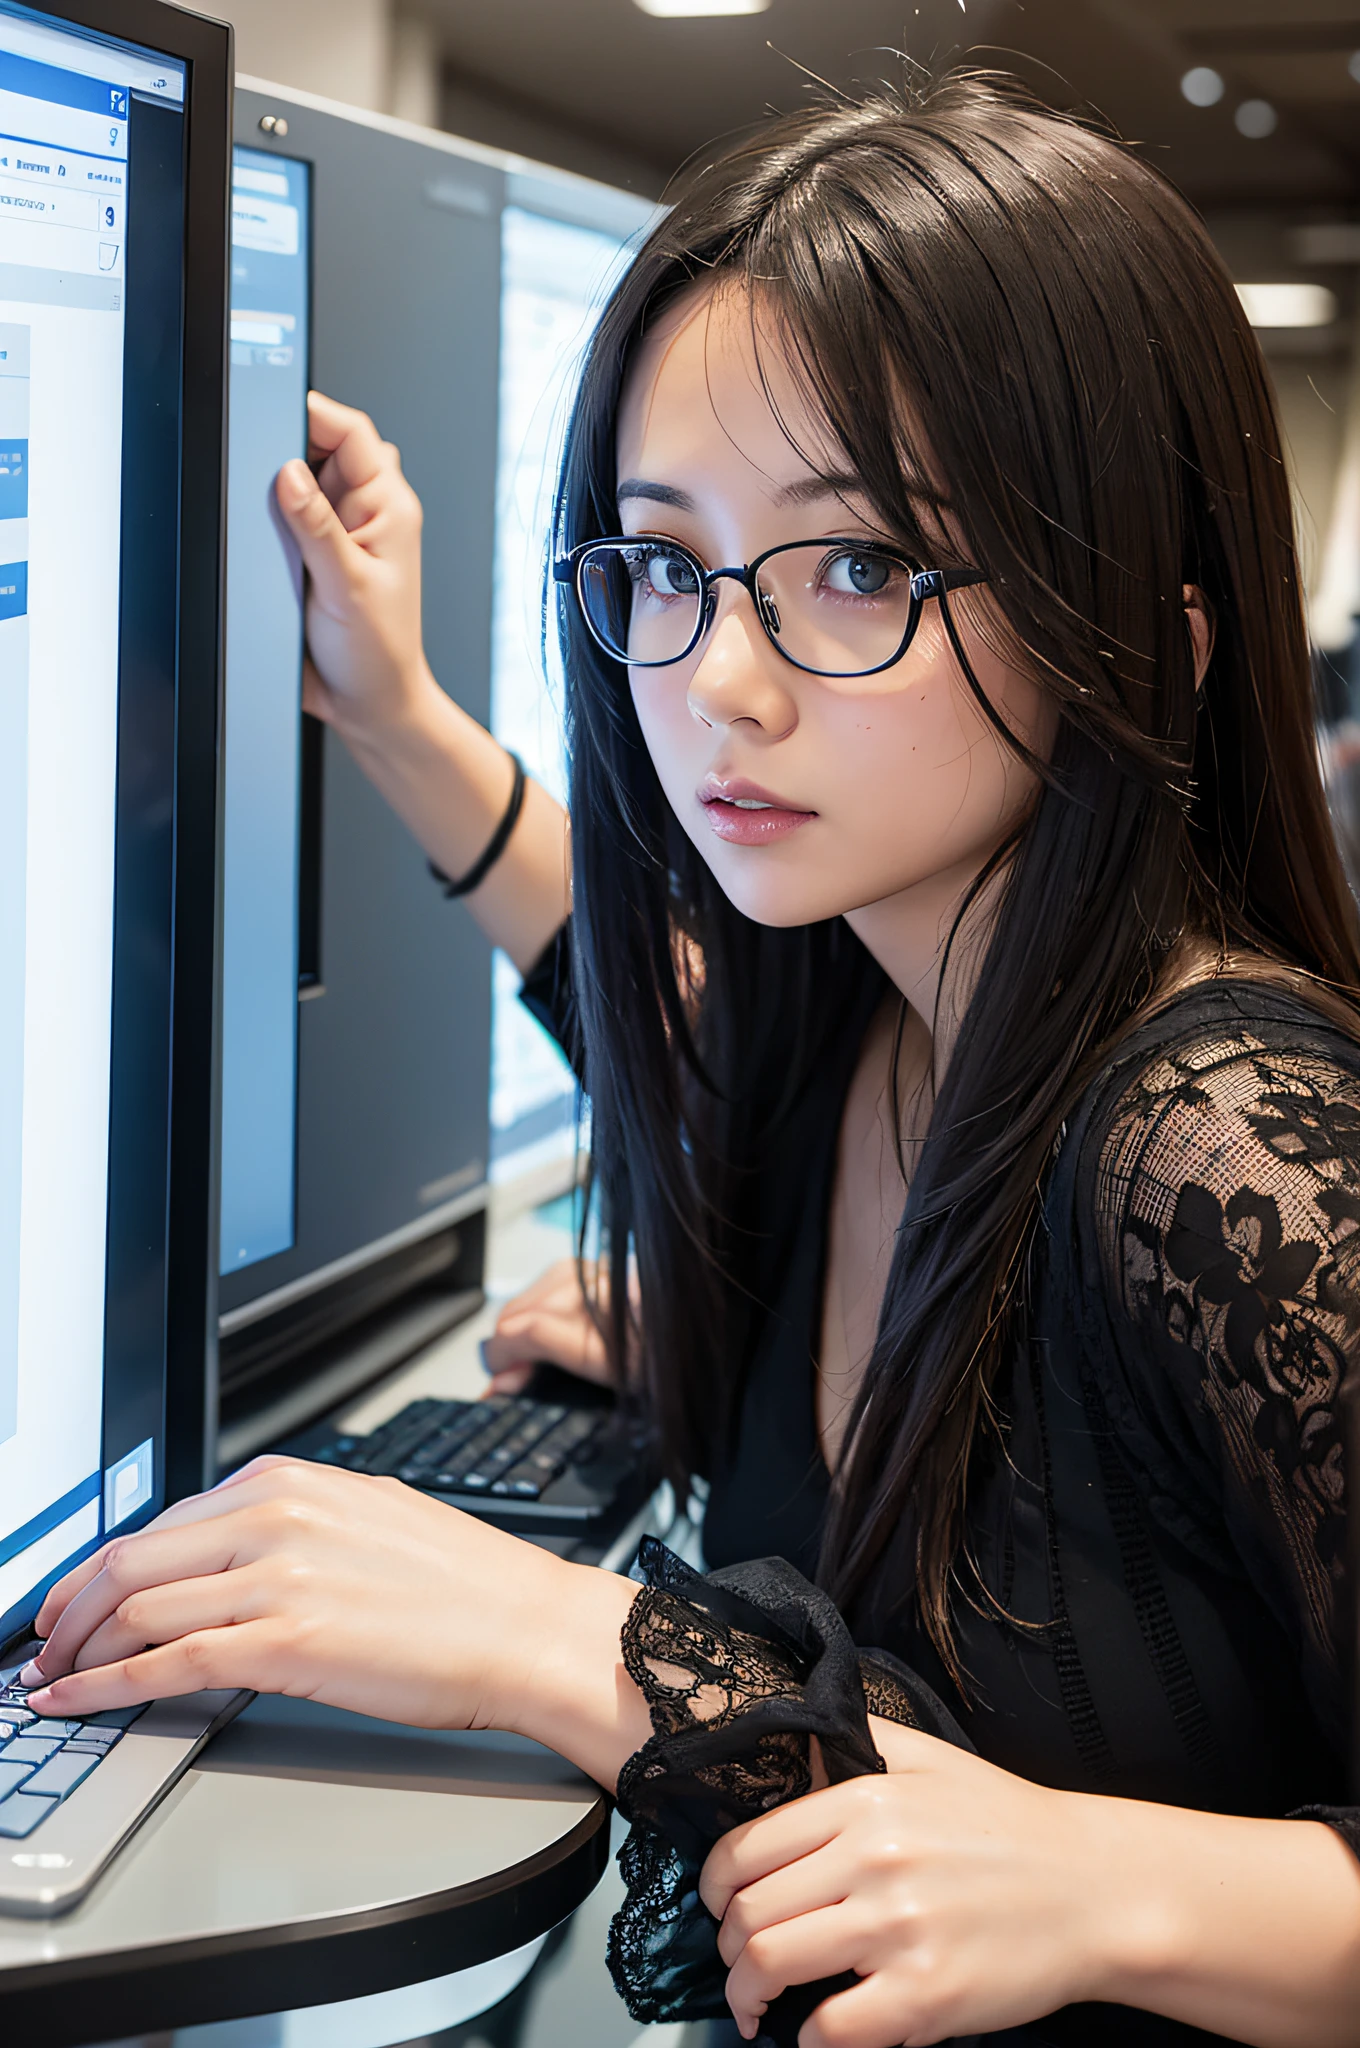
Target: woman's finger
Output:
[(60, 1596), (155, 1557), (329, 555), (758, 1847), (162, 1614), (508, 1380), (805, 1886), (820, 1944), (868, 2015), (346, 434), (571, 1341), (252, 1656)]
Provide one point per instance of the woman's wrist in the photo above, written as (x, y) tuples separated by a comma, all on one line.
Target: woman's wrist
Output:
[(565, 1685), (395, 725)]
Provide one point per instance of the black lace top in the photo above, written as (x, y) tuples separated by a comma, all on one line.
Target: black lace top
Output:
[(1161, 1530)]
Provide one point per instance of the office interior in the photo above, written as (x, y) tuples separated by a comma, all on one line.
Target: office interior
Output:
[(429, 206)]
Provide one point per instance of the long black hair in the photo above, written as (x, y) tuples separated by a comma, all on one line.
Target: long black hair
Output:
[(1018, 332)]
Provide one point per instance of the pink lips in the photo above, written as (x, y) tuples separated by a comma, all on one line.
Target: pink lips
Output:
[(744, 814)]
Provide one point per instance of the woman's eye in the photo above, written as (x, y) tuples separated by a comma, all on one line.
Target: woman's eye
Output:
[(858, 575), (663, 575)]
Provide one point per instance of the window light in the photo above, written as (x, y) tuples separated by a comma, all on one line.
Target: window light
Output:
[(1288, 305)]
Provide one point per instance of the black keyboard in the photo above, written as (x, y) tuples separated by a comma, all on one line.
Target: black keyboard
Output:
[(511, 1457), (43, 1760)]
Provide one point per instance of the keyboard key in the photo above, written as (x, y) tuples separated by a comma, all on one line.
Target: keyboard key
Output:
[(97, 1739), (15, 1718), (20, 1815), (24, 1749), (12, 1776), (62, 1774), (57, 1730)]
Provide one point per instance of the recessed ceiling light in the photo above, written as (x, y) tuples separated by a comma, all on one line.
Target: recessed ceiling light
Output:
[(692, 9), (1256, 119), (1202, 87), (1288, 305)]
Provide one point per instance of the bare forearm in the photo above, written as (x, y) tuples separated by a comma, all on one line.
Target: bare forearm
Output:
[(1249, 1928), (450, 781)]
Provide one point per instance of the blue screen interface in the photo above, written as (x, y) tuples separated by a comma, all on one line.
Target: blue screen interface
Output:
[(269, 354)]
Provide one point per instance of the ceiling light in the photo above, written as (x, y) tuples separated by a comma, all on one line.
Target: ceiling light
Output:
[(1288, 305), (669, 9), (1256, 119), (1202, 87)]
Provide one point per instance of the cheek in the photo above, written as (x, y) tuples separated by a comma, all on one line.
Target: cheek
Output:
[(675, 740), (911, 763)]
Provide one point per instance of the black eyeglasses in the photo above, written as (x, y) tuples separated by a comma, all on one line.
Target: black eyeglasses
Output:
[(831, 607)]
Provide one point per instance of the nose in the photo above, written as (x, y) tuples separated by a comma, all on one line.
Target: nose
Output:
[(739, 676)]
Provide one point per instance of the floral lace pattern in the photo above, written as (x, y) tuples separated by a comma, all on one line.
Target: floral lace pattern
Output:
[(1248, 1265), (740, 1670)]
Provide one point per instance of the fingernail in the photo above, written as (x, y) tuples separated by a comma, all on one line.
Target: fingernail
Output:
[(31, 1675), (297, 480)]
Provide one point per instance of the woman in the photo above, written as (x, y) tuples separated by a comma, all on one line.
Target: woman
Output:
[(965, 986)]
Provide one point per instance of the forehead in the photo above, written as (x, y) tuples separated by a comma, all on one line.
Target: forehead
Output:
[(710, 383)]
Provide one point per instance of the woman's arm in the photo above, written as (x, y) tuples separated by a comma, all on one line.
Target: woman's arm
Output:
[(968, 1900), (298, 1578), (357, 523)]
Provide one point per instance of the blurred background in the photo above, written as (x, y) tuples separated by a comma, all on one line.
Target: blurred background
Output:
[(1252, 106)]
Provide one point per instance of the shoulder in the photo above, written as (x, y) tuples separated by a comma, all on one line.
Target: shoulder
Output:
[(1227, 1142), (1218, 1212)]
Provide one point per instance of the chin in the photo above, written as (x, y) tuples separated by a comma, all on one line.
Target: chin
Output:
[(778, 899)]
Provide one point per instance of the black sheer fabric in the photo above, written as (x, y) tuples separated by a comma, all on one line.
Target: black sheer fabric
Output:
[(739, 1669), (1152, 1602)]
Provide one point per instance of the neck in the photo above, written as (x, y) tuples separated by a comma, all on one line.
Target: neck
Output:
[(908, 934)]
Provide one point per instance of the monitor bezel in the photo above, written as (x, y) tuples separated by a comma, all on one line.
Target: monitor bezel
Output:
[(206, 48)]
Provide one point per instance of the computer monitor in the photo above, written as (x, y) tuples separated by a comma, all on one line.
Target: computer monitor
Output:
[(452, 291), (113, 157), (263, 886)]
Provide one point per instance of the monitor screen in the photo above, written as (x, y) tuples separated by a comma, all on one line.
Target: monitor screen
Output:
[(92, 411), (270, 306)]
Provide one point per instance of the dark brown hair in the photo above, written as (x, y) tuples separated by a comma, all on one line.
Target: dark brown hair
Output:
[(975, 290)]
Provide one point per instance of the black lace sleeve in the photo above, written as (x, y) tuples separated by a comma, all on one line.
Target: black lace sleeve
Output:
[(739, 1670), (548, 994), (1228, 1212)]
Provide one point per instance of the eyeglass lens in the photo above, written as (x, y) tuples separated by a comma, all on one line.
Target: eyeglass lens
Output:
[(833, 609)]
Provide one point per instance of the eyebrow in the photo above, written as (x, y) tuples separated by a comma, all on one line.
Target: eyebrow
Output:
[(635, 487), (804, 491)]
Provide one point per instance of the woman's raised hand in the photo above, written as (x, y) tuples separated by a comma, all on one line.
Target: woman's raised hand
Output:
[(357, 524), (303, 1579)]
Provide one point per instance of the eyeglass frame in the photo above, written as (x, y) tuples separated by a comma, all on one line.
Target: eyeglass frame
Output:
[(925, 584)]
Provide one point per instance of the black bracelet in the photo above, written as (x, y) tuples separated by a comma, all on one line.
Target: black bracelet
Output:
[(495, 846)]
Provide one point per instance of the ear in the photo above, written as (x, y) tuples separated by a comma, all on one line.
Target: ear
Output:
[(1200, 620)]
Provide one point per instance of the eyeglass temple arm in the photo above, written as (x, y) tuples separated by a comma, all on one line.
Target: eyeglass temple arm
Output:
[(935, 582)]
